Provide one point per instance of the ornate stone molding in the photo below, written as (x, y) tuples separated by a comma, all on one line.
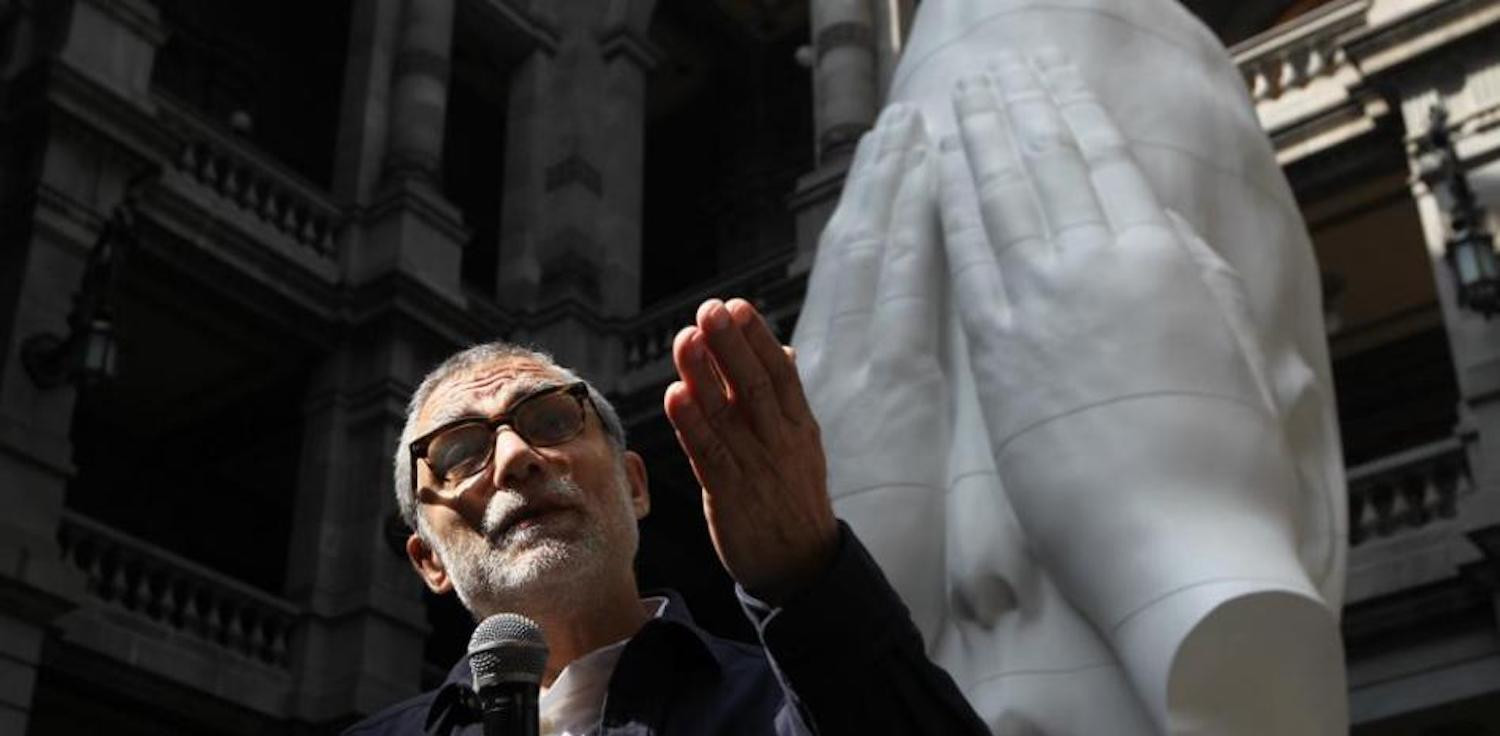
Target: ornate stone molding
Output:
[(574, 169), (514, 21), (631, 43)]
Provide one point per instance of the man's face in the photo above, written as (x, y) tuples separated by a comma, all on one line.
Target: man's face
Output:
[(537, 525)]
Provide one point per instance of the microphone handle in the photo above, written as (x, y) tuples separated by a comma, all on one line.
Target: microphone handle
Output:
[(509, 709)]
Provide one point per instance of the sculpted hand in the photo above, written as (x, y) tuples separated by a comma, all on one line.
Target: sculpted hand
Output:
[(868, 348), (1122, 381), (742, 418)]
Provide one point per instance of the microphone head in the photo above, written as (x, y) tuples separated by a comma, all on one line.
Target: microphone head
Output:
[(507, 647)]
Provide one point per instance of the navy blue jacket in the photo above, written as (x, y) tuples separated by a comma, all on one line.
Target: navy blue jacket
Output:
[(844, 659)]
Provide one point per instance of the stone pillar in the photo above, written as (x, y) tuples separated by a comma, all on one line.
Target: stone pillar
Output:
[(359, 646), (892, 25), (846, 74), (408, 228), (1474, 340), (852, 58), (571, 219), (366, 100), (57, 184), (419, 89)]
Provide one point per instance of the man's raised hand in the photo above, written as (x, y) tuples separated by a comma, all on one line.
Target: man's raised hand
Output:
[(742, 418)]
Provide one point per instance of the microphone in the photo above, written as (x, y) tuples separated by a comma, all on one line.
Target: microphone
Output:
[(507, 656)]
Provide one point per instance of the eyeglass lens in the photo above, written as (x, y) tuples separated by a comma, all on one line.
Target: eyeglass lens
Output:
[(541, 421)]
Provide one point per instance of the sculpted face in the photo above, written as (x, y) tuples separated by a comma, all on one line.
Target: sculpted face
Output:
[(537, 526)]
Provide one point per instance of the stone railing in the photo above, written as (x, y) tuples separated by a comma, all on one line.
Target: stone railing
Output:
[(155, 585), (1288, 57), (648, 336), (1407, 490), (251, 182)]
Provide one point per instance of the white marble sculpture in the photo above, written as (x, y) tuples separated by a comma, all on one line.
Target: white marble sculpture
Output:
[(1081, 412)]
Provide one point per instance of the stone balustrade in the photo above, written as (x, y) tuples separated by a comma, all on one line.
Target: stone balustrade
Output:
[(152, 584), (648, 336), (1289, 57), (252, 182), (1407, 490)]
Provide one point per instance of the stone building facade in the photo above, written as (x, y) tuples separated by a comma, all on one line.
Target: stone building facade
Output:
[(272, 217)]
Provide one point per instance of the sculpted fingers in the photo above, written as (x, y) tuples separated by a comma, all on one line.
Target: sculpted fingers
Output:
[(818, 308), (1048, 151), (860, 250), (972, 265), (1006, 205), (907, 295), (1122, 188), (870, 204)]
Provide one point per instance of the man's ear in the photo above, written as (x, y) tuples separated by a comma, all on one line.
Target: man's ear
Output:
[(635, 476), (427, 563)]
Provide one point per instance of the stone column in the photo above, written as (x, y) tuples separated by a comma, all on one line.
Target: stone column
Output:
[(57, 184), (846, 74), (1474, 340), (850, 71), (374, 28), (892, 25), (409, 228), (419, 89), (571, 220), (359, 646)]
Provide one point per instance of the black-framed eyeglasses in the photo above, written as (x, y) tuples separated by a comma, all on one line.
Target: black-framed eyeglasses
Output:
[(459, 449)]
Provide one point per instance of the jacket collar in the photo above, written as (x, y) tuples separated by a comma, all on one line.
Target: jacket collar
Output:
[(455, 704)]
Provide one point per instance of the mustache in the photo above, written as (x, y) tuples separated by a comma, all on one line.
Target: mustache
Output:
[(510, 505)]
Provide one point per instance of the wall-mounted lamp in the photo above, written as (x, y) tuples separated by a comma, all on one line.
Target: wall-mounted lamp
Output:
[(86, 355), (1470, 247)]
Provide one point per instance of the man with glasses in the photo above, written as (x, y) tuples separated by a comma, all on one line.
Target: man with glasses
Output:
[(514, 476)]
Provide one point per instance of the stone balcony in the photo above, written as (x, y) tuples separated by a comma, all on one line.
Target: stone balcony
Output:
[(1408, 518), (221, 199), (155, 611), (647, 337)]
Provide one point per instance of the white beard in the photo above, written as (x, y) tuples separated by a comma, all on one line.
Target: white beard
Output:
[(535, 567)]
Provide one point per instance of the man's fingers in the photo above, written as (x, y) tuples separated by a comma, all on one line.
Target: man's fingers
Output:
[(712, 461), (694, 365), (1047, 150), (748, 382), (1121, 186), (785, 383)]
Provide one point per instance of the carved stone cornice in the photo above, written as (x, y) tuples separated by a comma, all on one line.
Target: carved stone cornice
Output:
[(631, 43), (513, 22), (1382, 48)]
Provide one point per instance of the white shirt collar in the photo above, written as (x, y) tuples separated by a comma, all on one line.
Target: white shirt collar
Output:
[(574, 704)]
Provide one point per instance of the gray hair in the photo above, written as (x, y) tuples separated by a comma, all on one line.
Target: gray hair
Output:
[(462, 362)]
